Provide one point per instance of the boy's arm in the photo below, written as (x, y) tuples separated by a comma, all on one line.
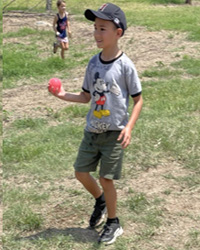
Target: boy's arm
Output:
[(81, 97), (125, 134)]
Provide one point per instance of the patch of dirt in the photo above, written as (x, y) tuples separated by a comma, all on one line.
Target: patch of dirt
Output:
[(181, 205), (151, 48)]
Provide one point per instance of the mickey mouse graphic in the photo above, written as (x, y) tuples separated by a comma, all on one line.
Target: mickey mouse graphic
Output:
[(101, 87)]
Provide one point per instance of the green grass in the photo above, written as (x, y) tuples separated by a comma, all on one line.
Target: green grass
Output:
[(41, 198), (172, 131), (190, 65), (157, 18), (1, 79), (25, 65), (29, 123), (194, 239), (23, 32), (25, 62), (21, 217), (162, 73), (149, 13), (24, 5)]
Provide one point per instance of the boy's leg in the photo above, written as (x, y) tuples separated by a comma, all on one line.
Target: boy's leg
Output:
[(87, 161), (110, 196), (100, 206), (112, 228), (89, 183)]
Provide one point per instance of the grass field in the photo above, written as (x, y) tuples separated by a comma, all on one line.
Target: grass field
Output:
[(45, 208)]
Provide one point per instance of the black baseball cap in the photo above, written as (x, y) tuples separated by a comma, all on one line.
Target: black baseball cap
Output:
[(110, 12)]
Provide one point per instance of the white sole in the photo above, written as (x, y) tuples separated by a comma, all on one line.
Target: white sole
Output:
[(117, 234)]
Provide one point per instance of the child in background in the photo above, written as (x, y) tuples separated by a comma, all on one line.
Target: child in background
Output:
[(110, 79), (61, 27)]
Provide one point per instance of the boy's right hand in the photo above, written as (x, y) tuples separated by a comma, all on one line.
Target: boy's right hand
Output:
[(58, 92)]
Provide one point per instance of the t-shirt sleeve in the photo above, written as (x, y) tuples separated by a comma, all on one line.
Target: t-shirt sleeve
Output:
[(87, 80), (132, 80)]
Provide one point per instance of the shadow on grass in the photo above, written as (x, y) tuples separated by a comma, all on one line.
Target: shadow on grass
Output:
[(79, 234)]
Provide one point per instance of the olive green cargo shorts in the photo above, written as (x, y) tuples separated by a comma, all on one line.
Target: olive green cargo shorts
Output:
[(103, 148)]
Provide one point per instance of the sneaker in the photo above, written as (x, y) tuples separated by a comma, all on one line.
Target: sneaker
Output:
[(110, 232), (54, 47), (98, 215)]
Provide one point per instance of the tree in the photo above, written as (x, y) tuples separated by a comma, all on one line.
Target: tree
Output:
[(49, 5), (188, 1)]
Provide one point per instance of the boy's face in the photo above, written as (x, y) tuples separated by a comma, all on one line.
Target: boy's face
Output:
[(106, 34)]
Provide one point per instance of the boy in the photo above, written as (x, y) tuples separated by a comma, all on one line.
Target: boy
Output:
[(109, 80), (61, 27)]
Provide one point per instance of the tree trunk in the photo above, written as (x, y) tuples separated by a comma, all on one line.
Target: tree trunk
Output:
[(48, 5), (188, 1)]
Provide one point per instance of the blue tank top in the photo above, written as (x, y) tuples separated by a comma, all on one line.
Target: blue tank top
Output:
[(61, 26)]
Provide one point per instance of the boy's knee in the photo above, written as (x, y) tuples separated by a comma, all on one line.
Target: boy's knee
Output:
[(105, 182), (80, 175), (77, 175)]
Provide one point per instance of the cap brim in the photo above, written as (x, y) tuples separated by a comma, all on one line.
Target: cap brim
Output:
[(92, 14)]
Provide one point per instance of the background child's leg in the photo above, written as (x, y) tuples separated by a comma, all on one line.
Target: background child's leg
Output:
[(89, 183), (62, 50), (64, 46), (110, 196), (55, 46)]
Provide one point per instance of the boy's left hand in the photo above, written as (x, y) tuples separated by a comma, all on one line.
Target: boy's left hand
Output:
[(125, 136)]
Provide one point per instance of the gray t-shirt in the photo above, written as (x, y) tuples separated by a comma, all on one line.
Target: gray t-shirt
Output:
[(110, 85)]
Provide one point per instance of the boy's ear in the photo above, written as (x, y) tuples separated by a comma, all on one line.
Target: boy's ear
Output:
[(119, 32)]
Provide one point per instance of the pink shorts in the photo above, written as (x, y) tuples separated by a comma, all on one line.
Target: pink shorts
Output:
[(64, 40)]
